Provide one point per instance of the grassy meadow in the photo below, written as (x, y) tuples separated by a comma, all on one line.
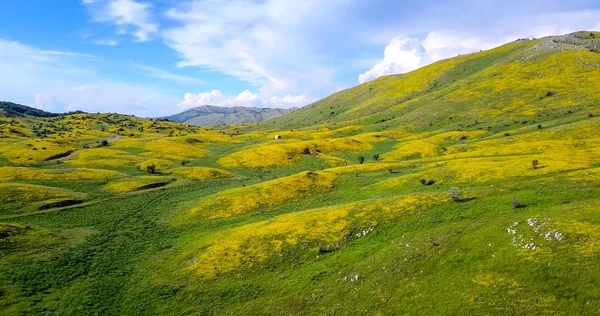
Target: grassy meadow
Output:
[(469, 186)]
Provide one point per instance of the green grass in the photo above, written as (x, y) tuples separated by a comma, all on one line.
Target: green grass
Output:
[(130, 253)]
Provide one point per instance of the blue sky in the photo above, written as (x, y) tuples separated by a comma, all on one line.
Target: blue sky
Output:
[(158, 57)]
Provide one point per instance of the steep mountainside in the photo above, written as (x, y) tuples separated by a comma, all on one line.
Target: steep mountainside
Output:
[(468, 187), (213, 115), (520, 80)]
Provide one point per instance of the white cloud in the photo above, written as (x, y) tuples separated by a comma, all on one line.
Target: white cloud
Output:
[(404, 54), (244, 98), (166, 75), (42, 101), (105, 42), (59, 81), (129, 16), (270, 44)]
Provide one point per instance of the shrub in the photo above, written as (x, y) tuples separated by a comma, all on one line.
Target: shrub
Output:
[(506, 134), (104, 142), (455, 194), (376, 157), (516, 204), (306, 151), (539, 126), (425, 182), (151, 169), (361, 159)]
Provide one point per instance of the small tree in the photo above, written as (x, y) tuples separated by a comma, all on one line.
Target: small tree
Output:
[(151, 169), (361, 159), (455, 194), (376, 157), (535, 164)]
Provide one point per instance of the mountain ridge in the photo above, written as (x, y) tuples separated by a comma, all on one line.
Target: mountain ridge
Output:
[(213, 115)]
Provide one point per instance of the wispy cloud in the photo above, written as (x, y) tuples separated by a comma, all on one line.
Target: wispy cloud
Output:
[(129, 16), (166, 75), (270, 44), (105, 42), (60, 81)]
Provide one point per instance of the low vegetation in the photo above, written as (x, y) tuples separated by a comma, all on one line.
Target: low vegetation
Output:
[(432, 192)]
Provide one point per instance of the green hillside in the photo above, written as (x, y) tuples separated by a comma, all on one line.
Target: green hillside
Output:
[(469, 186), (523, 79)]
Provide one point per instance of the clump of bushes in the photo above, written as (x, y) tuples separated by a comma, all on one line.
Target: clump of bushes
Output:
[(516, 204), (455, 194), (425, 182), (151, 169), (361, 159)]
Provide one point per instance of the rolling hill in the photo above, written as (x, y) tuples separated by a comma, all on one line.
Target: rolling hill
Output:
[(216, 115), (469, 186)]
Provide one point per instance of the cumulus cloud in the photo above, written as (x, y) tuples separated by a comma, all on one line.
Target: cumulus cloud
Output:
[(129, 16), (404, 54), (244, 98)]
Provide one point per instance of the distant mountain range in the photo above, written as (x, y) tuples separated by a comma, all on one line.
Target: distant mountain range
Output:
[(14, 109), (211, 115)]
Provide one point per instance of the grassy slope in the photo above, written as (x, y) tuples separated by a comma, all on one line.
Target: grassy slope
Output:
[(362, 237)]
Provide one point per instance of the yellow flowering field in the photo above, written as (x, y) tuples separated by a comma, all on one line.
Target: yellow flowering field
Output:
[(288, 153), (202, 173), (138, 183), (73, 174), (268, 194), (253, 244)]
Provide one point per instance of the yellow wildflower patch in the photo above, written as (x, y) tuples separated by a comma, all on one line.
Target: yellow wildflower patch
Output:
[(287, 153), (426, 147), (499, 168), (264, 195), (16, 192), (35, 151), (585, 237), (102, 157), (177, 148), (128, 143), (202, 173), (368, 167), (256, 243), (24, 173), (138, 183), (159, 164)]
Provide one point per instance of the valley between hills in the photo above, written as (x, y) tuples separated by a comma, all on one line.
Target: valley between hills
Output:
[(468, 186)]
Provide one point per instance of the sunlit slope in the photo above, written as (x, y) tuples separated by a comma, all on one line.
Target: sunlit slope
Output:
[(515, 81), (471, 186)]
